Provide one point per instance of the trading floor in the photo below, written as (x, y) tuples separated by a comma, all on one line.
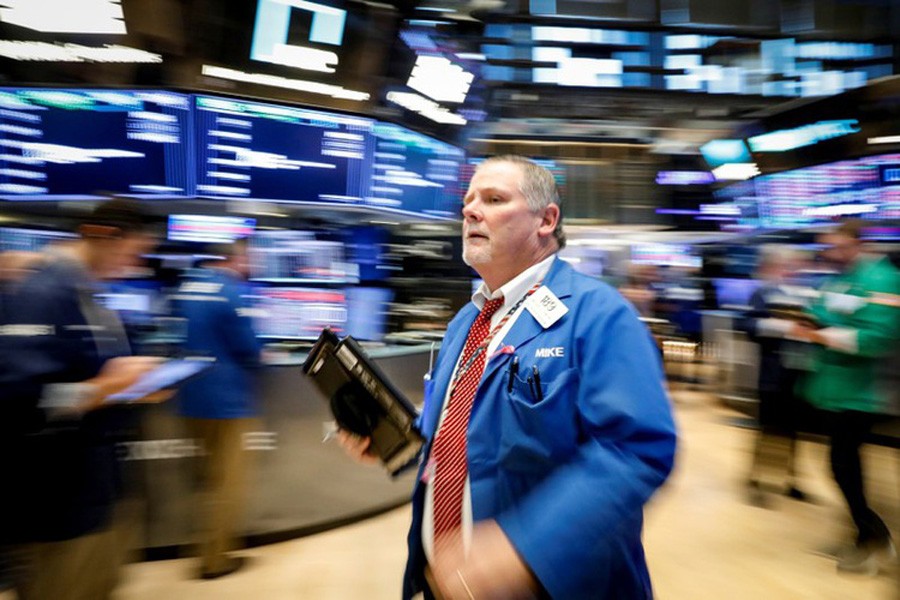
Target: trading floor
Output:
[(703, 539)]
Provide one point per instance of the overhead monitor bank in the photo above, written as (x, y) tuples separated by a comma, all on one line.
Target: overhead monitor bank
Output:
[(71, 144), (67, 144)]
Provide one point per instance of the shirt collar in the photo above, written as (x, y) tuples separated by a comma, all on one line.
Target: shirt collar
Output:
[(516, 287)]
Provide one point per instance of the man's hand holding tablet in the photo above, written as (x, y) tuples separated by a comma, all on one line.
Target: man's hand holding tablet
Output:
[(144, 379)]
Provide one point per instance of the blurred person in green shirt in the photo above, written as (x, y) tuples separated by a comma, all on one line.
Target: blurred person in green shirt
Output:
[(858, 318)]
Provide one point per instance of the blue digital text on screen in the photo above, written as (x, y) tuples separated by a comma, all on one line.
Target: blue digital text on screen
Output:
[(86, 143)]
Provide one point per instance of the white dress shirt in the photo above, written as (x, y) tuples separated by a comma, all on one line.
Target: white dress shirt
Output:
[(512, 292)]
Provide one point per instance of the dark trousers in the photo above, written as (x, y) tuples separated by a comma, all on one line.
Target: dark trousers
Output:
[(848, 430)]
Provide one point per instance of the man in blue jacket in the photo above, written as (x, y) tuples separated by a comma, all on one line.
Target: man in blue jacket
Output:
[(220, 406), (548, 427)]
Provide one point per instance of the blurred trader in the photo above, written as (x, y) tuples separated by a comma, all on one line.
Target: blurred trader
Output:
[(220, 407), (768, 323), (858, 318), (61, 355), (548, 427)]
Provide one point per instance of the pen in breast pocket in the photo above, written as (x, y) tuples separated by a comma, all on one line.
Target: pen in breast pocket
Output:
[(537, 382), (513, 369)]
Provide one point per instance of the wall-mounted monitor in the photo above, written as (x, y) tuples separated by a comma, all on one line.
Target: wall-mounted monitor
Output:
[(720, 152), (367, 310), (209, 228), (280, 153), (669, 255), (30, 240), (60, 144), (864, 188), (293, 313), (735, 293), (414, 173)]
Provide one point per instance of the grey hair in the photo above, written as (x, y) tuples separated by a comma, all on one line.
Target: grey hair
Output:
[(778, 254), (537, 185)]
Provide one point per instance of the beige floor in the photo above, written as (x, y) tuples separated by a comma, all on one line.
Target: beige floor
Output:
[(702, 540)]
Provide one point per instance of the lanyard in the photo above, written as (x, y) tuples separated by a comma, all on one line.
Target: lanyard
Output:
[(487, 341)]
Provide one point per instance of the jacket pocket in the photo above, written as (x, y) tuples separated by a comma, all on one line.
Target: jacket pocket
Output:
[(538, 430)]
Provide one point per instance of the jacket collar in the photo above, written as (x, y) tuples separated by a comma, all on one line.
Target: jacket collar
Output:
[(560, 281)]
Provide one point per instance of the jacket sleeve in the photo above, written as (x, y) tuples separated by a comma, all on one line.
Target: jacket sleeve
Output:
[(875, 326), (878, 325), (590, 508)]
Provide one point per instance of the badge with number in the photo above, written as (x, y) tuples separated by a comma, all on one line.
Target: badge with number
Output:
[(545, 307)]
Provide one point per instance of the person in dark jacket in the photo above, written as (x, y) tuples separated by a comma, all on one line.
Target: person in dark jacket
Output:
[(768, 323), (62, 355), (220, 406)]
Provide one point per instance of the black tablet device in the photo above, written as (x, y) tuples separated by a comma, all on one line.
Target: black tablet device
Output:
[(363, 400), (169, 374)]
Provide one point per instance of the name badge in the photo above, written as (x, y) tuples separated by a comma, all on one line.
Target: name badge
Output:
[(545, 307)]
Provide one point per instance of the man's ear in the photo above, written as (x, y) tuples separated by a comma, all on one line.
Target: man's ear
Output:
[(549, 219)]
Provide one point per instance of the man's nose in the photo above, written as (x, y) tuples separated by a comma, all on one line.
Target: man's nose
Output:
[(472, 210)]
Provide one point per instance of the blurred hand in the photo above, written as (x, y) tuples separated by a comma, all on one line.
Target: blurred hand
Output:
[(157, 397), (357, 447), (803, 332), (493, 570), (120, 373)]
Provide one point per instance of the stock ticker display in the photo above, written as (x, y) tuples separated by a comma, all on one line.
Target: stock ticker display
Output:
[(271, 152), (289, 154), (65, 144), (81, 144)]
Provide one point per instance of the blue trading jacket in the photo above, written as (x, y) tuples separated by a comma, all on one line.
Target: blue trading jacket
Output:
[(217, 325), (565, 477)]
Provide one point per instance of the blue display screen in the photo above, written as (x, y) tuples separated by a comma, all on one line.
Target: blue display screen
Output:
[(415, 173), (720, 152), (83, 144), (30, 240), (58, 144), (735, 293), (270, 152), (367, 310)]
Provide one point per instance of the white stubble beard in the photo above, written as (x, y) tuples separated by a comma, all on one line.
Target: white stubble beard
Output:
[(474, 256)]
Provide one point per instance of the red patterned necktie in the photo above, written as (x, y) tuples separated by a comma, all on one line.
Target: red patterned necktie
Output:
[(449, 451)]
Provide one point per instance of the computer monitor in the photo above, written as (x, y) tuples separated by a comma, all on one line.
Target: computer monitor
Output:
[(295, 313), (280, 153), (415, 173), (720, 152), (669, 255), (30, 240), (367, 311), (735, 293), (208, 228), (288, 256), (61, 144)]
